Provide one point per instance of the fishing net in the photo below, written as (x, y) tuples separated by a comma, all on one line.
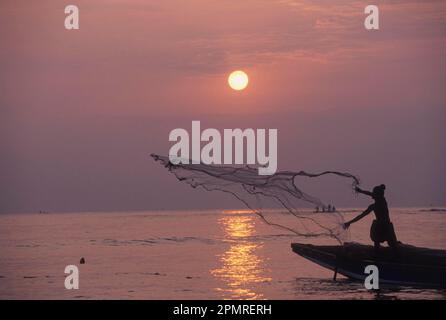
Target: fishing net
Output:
[(276, 199)]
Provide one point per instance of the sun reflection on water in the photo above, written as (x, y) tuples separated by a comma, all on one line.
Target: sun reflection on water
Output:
[(241, 265)]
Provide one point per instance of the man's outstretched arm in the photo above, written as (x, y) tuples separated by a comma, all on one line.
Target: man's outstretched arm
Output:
[(367, 193), (362, 215)]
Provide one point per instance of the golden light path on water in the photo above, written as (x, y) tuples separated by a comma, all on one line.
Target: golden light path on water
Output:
[(241, 265)]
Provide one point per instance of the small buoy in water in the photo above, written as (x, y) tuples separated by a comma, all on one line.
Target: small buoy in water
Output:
[(82, 261)]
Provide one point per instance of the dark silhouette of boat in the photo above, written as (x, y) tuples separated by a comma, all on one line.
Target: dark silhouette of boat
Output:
[(411, 266)]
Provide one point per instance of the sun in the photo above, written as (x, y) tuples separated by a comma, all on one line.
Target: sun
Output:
[(238, 80)]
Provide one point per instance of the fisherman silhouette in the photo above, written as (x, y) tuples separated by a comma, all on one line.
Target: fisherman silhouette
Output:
[(382, 229)]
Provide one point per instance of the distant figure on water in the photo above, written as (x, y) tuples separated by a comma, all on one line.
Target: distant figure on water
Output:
[(382, 229)]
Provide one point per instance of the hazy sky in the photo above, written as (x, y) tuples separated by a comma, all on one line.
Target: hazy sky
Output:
[(80, 111)]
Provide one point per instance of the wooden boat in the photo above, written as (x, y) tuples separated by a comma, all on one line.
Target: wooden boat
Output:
[(409, 266)]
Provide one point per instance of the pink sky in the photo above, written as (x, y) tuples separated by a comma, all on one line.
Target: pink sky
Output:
[(81, 110)]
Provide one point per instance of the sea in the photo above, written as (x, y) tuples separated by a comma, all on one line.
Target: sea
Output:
[(206, 254)]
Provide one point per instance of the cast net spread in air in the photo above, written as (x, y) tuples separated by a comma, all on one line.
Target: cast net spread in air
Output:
[(261, 193)]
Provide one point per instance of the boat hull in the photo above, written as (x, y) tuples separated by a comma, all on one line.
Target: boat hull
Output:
[(410, 267)]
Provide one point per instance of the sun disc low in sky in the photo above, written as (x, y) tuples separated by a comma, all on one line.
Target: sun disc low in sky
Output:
[(238, 80)]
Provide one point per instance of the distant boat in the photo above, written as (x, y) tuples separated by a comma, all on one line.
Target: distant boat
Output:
[(414, 266)]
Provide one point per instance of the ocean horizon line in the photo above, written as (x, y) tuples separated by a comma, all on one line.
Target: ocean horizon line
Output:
[(218, 210)]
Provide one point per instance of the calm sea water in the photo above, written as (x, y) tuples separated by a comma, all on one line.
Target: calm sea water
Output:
[(185, 255)]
